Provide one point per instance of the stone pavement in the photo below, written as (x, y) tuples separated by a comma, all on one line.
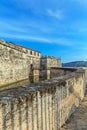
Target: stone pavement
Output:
[(78, 121)]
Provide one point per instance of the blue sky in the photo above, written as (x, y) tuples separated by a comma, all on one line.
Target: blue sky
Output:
[(54, 27)]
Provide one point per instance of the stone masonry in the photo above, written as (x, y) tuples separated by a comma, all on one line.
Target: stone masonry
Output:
[(50, 61), (44, 106), (17, 63)]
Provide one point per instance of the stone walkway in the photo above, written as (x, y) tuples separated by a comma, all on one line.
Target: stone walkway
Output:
[(78, 121)]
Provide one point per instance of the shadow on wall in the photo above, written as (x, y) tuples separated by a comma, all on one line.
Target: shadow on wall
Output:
[(86, 90), (31, 74), (70, 114)]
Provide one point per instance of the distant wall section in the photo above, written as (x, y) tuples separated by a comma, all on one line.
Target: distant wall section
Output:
[(49, 61)]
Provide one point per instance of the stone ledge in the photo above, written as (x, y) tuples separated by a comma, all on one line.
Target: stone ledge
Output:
[(33, 88)]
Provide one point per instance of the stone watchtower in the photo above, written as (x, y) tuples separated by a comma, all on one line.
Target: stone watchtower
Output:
[(50, 61), (47, 62)]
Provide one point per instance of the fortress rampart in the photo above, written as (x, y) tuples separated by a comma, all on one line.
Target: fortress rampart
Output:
[(44, 106), (17, 62)]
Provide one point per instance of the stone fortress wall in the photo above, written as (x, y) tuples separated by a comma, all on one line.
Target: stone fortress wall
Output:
[(16, 62), (44, 106)]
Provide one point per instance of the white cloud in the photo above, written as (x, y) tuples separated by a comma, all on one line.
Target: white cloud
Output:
[(55, 41), (57, 14), (25, 37)]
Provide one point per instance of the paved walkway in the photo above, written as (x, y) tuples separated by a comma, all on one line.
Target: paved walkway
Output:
[(78, 120)]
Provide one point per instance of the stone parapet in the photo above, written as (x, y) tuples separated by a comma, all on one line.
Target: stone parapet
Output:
[(41, 106)]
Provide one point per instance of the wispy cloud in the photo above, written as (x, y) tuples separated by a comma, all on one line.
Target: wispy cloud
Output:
[(54, 41), (57, 14), (25, 37), (27, 26), (48, 23)]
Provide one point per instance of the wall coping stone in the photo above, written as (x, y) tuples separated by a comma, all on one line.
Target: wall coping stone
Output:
[(26, 90)]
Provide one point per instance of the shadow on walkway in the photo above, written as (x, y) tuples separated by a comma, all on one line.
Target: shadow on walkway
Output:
[(78, 120)]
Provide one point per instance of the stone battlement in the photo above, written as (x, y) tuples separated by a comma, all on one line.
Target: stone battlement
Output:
[(16, 62), (22, 49), (42, 106)]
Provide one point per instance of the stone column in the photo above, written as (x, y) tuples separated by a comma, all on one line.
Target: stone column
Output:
[(35, 75), (50, 107), (16, 115), (39, 127), (30, 113), (34, 112), (48, 73), (53, 108)]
